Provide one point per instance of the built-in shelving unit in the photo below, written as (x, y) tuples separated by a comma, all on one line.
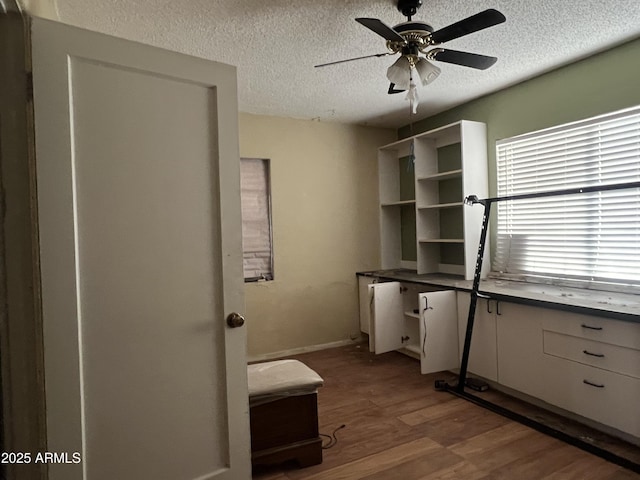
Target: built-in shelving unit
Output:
[(423, 181)]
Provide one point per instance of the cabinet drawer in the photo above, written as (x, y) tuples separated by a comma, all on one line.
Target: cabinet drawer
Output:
[(614, 332), (598, 354), (605, 397)]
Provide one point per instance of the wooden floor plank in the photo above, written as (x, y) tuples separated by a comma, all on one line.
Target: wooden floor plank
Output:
[(385, 460), (482, 444), (417, 468), (463, 470), (586, 468)]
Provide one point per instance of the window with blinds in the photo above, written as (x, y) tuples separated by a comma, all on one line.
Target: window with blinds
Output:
[(256, 219), (591, 237)]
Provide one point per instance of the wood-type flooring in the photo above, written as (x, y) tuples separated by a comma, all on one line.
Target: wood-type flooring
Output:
[(398, 427)]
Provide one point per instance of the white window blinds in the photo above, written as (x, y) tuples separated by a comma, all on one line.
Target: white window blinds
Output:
[(593, 237), (256, 219)]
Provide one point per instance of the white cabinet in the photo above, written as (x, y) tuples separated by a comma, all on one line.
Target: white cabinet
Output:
[(583, 364), (423, 181), (403, 317), (519, 344), (364, 298), (483, 355)]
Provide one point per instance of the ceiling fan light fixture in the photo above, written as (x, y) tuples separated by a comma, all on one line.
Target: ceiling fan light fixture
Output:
[(400, 73), (427, 71)]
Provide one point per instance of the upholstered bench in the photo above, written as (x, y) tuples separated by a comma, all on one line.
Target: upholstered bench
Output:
[(284, 413)]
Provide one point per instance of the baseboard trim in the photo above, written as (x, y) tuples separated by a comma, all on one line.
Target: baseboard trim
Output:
[(297, 351)]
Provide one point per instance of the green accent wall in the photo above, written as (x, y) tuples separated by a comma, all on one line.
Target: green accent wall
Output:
[(408, 233), (449, 158), (407, 182), (407, 212), (602, 83)]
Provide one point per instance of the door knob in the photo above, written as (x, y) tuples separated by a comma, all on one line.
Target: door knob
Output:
[(235, 320)]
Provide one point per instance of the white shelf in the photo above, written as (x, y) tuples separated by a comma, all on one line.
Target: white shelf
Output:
[(442, 176), (413, 349), (441, 240), (441, 205), (398, 203), (412, 315)]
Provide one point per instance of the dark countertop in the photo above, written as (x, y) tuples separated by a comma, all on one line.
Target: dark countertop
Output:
[(621, 306)]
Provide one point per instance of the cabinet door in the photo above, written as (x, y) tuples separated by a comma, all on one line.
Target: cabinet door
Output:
[(483, 358), (364, 297), (438, 331), (387, 317), (521, 363)]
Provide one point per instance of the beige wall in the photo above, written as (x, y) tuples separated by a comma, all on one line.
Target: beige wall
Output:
[(325, 228)]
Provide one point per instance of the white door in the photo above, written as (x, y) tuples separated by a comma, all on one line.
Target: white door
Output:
[(140, 231), (438, 331)]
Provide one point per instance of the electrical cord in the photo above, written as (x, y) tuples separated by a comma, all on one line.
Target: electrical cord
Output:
[(424, 325), (332, 438)]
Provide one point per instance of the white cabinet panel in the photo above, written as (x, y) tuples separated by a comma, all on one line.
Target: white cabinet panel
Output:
[(364, 297), (388, 321), (438, 331), (483, 355), (519, 344), (597, 354), (601, 395), (615, 332)]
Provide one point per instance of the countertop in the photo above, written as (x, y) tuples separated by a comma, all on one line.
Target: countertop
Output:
[(623, 306)]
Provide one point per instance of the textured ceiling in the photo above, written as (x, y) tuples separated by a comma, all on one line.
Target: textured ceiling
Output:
[(276, 43)]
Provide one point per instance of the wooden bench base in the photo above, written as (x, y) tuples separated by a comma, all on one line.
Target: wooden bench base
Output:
[(285, 430)]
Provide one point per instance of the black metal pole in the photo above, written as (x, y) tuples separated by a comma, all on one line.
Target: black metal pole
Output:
[(474, 296), (568, 191)]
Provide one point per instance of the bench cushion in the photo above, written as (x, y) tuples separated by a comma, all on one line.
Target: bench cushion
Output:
[(281, 378)]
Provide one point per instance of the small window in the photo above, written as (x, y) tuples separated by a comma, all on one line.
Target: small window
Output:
[(256, 219)]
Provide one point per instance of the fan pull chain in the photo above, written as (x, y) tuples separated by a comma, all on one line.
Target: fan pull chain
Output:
[(412, 94)]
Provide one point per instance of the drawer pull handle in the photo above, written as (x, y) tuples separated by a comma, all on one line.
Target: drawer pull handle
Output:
[(597, 385), (584, 325), (599, 355)]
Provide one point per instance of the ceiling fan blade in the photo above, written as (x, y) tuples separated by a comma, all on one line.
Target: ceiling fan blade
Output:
[(479, 21), (392, 89), (381, 29), (352, 59), (473, 60)]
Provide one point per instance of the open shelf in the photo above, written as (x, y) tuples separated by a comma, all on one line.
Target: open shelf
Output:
[(412, 315), (441, 176)]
